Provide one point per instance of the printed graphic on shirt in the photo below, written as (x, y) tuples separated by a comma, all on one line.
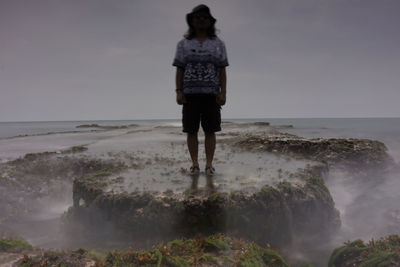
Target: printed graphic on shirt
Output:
[(201, 62)]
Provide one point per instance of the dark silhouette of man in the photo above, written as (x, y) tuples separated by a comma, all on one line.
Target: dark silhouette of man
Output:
[(200, 61)]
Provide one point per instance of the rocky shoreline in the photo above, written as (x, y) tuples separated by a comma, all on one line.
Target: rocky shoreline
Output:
[(279, 212)]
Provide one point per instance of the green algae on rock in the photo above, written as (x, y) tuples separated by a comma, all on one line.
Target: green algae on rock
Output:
[(213, 250), (196, 252), (57, 258), (382, 252), (13, 244)]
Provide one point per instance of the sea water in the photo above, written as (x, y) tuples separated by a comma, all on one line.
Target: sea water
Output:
[(386, 130)]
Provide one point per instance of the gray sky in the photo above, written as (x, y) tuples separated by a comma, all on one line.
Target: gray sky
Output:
[(96, 59)]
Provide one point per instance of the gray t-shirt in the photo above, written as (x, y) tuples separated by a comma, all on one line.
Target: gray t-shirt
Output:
[(201, 62)]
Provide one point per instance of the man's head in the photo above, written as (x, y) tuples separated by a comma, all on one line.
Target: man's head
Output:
[(200, 17)]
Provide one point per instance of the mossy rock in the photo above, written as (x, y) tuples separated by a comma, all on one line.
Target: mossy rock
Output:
[(256, 256), (74, 149), (56, 258), (215, 243), (273, 214), (14, 245), (226, 251), (195, 252), (382, 252), (349, 152)]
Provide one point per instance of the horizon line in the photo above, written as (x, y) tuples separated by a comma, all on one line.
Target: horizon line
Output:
[(225, 119)]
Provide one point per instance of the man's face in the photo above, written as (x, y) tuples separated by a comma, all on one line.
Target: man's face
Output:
[(201, 21)]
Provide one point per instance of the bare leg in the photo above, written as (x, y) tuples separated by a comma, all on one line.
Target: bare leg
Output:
[(209, 144), (193, 146)]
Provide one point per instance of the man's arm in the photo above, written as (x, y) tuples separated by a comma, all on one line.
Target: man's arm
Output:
[(180, 98), (221, 98), (222, 79), (179, 78)]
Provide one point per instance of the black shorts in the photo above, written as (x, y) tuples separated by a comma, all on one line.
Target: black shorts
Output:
[(201, 108)]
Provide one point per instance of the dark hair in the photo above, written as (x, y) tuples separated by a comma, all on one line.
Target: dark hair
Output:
[(211, 32)]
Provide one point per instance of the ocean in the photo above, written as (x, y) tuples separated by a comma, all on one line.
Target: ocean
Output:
[(310, 127), (386, 130)]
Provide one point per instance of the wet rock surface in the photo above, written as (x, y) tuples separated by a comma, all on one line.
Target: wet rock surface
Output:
[(349, 152), (106, 126), (273, 214), (28, 183)]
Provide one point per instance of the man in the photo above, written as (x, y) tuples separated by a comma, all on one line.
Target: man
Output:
[(201, 59)]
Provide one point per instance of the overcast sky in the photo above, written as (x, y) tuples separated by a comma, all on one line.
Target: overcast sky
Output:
[(94, 59)]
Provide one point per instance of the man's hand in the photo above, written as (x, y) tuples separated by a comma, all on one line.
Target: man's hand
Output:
[(221, 99), (180, 98)]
